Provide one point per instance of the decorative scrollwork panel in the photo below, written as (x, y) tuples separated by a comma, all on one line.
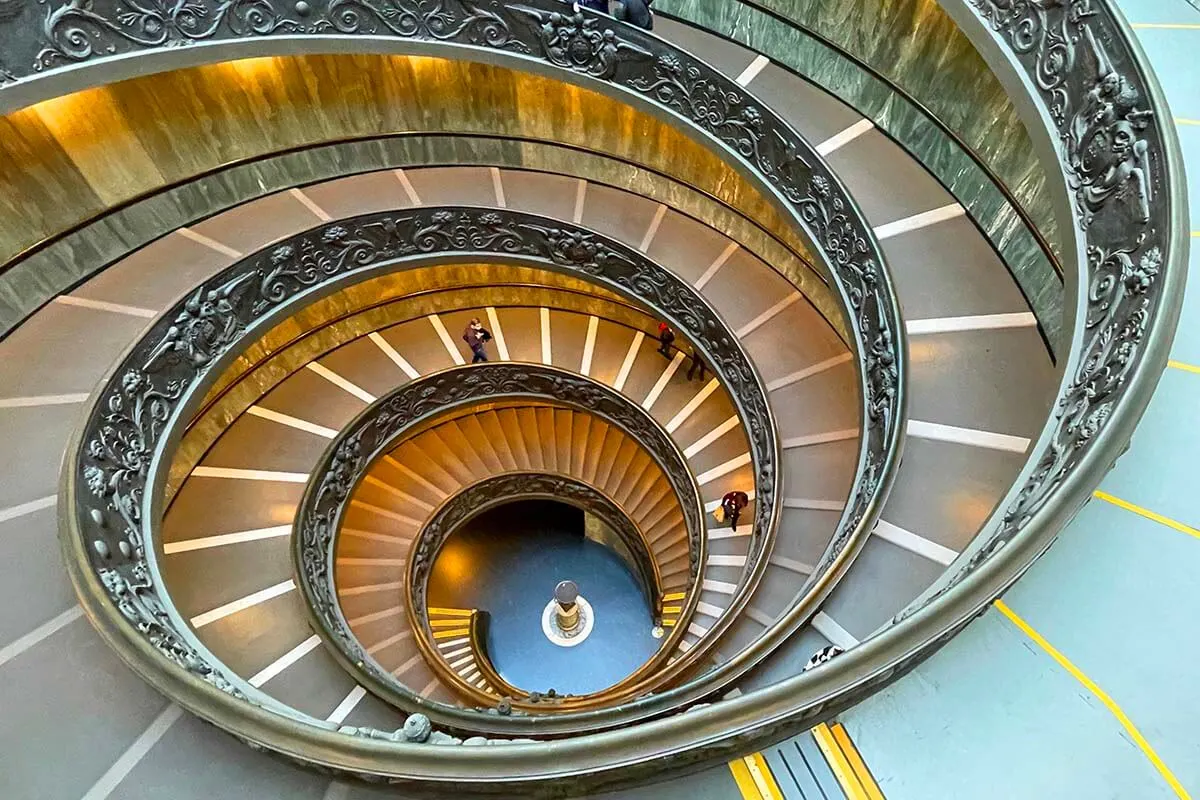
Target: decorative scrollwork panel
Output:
[(1113, 154), (126, 442), (381, 428)]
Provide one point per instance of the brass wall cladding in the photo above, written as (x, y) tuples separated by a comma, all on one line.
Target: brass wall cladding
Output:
[(110, 145), (34, 279)]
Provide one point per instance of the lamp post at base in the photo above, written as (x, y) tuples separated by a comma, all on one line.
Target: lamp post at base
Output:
[(567, 619), (567, 614)]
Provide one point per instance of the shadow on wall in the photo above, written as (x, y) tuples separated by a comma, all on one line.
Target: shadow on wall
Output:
[(507, 562)]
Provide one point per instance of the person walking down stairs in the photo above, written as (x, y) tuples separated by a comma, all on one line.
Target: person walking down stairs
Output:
[(731, 507), (476, 336), (698, 366), (666, 337)]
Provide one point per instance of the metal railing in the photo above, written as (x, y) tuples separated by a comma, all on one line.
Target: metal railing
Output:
[(166, 375), (383, 426), (113, 474)]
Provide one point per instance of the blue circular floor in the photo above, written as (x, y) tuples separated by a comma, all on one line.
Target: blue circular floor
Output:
[(508, 561)]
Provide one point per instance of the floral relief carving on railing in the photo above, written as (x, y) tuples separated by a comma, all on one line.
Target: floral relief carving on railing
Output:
[(81, 31), (383, 426), (130, 426), (1114, 160)]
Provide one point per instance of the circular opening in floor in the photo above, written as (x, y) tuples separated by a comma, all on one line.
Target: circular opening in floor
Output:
[(508, 562)]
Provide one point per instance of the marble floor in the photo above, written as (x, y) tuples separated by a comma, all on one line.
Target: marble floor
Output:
[(508, 561)]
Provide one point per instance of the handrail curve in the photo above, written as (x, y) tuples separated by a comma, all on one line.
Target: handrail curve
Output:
[(145, 399), (378, 430), (481, 496), (144, 404)]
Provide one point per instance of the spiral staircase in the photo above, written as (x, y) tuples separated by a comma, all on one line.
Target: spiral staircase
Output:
[(931, 256)]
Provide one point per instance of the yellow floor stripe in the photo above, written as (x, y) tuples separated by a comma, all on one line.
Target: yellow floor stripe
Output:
[(754, 778), (744, 780), (1181, 365), (763, 779), (837, 762), (672, 609), (856, 762), (1100, 694), (1147, 513), (675, 596), (450, 612), (451, 634)]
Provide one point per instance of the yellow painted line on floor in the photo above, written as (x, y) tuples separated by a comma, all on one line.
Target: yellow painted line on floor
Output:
[(1147, 513), (675, 596), (1181, 365), (855, 759), (450, 612), (754, 778), (1100, 694), (763, 779), (838, 763), (669, 623), (744, 780), (666, 609)]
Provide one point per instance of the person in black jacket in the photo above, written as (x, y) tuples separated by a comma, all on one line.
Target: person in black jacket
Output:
[(476, 336), (635, 12), (697, 365), (733, 503)]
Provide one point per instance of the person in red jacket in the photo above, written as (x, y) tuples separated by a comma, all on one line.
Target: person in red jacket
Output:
[(666, 337)]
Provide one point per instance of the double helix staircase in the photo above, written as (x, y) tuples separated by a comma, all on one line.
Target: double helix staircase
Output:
[(981, 382)]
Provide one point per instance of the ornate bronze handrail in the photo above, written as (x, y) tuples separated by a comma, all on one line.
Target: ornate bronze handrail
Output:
[(1132, 288), (96, 41), (144, 406), (1085, 68), (147, 396), (471, 501), (379, 429)]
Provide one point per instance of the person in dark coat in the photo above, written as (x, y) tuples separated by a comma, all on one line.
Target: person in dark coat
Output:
[(666, 337), (635, 12), (476, 336), (733, 503), (697, 365)]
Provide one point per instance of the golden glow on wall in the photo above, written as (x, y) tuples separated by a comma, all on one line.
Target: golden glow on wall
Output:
[(115, 143), (454, 562), (252, 68)]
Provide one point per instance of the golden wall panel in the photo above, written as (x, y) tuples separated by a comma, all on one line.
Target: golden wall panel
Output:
[(112, 144)]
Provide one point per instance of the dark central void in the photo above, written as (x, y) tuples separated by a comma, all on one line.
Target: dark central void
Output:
[(507, 562)]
